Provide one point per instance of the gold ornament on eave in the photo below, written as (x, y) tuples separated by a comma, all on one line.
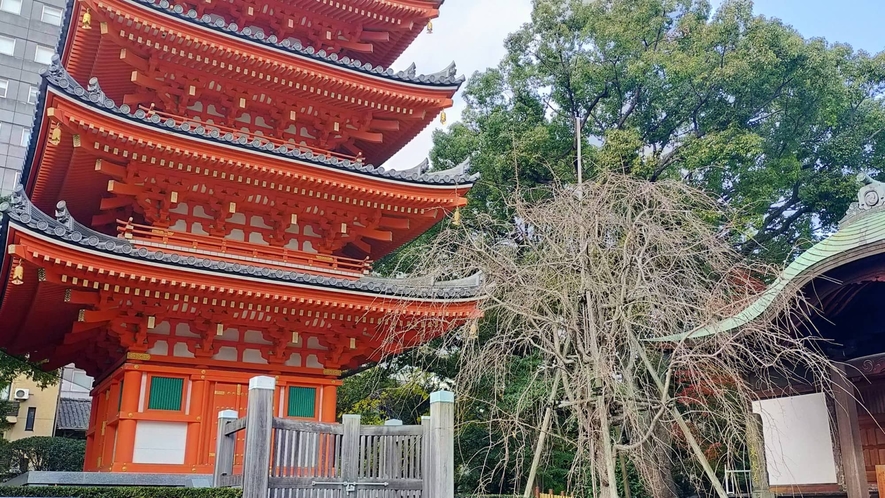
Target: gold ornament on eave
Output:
[(18, 274), (429, 27), (442, 117), (86, 20), (456, 218)]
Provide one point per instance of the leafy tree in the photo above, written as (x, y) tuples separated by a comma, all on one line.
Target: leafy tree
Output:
[(767, 122), (42, 453)]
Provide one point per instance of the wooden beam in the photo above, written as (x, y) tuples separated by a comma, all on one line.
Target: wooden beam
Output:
[(362, 246), (853, 466), (397, 224), (95, 316), (113, 170), (384, 125), (82, 297), (374, 234), (115, 202), (133, 60), (366, 136), (116, 187), (376, 36)]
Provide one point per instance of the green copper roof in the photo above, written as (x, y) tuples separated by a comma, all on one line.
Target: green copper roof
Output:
[(861, 234)]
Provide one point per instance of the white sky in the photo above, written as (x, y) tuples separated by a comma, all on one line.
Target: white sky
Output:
[(470, 32)]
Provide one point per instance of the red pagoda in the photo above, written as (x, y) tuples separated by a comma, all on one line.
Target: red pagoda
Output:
[(199, 206)]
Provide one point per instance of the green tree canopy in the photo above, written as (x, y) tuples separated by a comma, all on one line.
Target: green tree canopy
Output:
[(769, 123)]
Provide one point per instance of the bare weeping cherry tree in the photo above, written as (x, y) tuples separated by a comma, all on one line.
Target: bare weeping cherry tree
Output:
[(609, 289)]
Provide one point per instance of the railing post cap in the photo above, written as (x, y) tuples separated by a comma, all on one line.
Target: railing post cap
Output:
[(228, 414), (393, 421), (262, 382), (442, 397)]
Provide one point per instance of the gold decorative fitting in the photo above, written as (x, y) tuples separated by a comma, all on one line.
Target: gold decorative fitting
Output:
[(86, 21), (173, 196), (337, 126), (353, 343), (442, 117), (232, 208), (151, 322), (429, 27), (456, 218), (54, 134), (294, 219), (219, 329), (138, 356), (292, 115), (18, 274), (67, 295), (41, 274), (127, 230), (103, 27), (294, 337), (473, 331), (332, 371), (344, 228), (77, 140)]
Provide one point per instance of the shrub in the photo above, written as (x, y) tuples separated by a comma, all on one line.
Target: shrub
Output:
[(122, 492), (43, 453)]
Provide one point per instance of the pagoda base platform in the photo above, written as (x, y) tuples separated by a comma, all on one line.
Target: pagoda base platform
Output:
[(39, 478), (155, 417)]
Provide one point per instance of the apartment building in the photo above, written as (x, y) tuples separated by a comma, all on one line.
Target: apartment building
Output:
[(61, 409), (29, 31)]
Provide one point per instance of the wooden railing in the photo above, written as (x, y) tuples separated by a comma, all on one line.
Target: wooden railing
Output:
[(179, 120), (313, 460), (233, 250)]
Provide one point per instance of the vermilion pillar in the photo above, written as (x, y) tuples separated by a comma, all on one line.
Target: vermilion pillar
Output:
[(125, 437)]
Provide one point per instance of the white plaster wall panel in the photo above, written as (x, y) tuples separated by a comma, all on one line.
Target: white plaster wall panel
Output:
[(294, 360), (162, 328), (160, 348), (236, 234), (258, 222), (292, 245), (253, 356), (159, 442), (181, 351), (184, 330), (798, 442), (179, 225), (197, 229), (226, 353), (308, 231), (200, 212), (308, 247), (229, 335), (180, 208), (255, 337), (238, 218), (257, 238), (314, 343), (312, 362)]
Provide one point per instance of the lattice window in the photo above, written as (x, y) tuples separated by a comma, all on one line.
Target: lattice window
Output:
[(302, 402), (165, 393)]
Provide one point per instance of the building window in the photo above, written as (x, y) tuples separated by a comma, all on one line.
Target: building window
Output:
[(51, 16), (11, 6), (29, 422), (32, 94), (302, 402), (26, 137), (43, 55), (6, 392), (165, 393), (4, 87), (7, 45)]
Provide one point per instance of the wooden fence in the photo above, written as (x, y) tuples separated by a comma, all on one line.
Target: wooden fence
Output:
[(286, 458)]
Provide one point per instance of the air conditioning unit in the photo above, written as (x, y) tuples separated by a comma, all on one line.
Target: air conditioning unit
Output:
[(21, 394)]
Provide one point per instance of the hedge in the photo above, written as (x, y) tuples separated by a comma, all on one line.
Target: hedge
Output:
[(119, 492)]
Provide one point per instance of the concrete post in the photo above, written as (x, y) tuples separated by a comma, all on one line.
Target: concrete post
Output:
[(259, 431), (442, 444), (224, 448)]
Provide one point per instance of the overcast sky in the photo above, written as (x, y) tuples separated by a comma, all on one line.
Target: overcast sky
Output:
[(472, 32), (469, 32)]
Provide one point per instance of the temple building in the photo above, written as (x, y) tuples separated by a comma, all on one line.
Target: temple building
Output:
[(199, 205), (830, 443)]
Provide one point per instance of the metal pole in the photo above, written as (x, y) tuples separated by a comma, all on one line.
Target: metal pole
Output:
[(580, 167)]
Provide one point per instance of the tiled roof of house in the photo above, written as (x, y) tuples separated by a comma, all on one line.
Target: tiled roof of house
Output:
[(73, 413)]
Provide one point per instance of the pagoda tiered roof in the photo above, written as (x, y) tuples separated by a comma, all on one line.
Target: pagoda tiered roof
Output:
[(375, 30), (139, 150), (77, 280), (206, 68)]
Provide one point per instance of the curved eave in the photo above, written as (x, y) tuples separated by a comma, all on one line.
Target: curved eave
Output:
[(861, 238), (343, 171), (258, 46), (26, 219)]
